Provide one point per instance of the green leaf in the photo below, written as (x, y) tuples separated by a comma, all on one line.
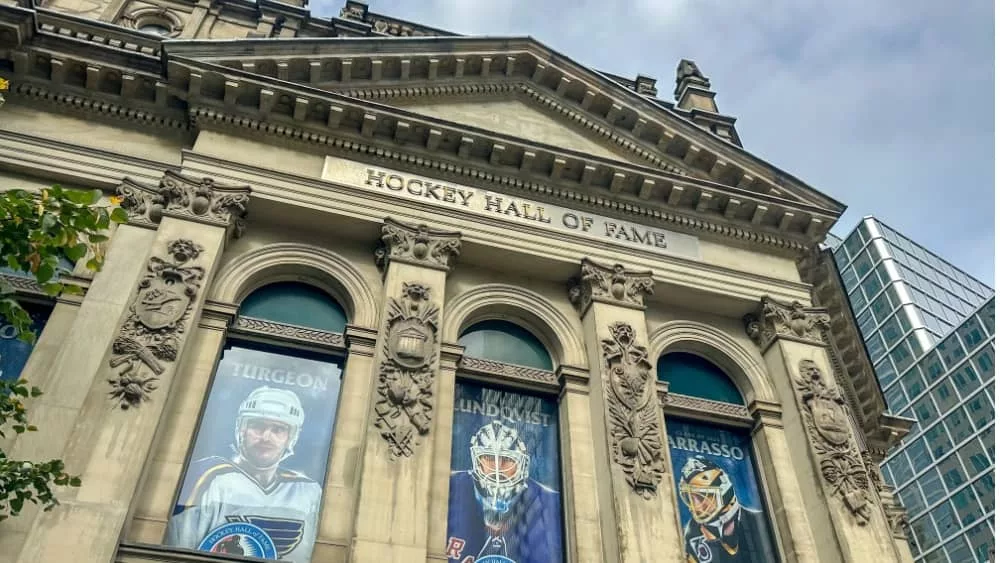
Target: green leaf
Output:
[(96, 238), (52, 289), (74, 482), (44, 273), (76, 252), (119, 215)]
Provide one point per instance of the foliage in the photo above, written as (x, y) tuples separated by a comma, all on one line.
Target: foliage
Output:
[(24, 481), (37, 229)]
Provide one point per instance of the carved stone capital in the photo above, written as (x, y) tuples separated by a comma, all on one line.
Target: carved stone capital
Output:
[(193, 199), (417, 244), (614, 285), (794, 321)]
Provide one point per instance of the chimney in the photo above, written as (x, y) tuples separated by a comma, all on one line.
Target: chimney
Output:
[(694, 95)]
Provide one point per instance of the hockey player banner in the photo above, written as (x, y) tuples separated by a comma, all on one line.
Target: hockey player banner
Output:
[(504, 504), (254, 480), (721, 509)]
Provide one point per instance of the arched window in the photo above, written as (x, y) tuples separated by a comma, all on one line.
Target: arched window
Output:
[(260, 455), (694, 376), (713, 463), (506, 342), (505, 466)]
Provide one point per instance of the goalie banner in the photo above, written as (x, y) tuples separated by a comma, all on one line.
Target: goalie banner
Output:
[(720, 506), (504, 502), (254, 480)]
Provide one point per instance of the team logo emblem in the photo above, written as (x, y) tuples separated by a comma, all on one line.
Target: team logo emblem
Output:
[(239, 538), (495, 559)]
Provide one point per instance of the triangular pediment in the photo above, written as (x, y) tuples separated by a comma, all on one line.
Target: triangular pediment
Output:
[(517, 118)]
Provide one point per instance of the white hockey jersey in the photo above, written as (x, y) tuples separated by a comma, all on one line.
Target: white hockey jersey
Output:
[(223, 493)]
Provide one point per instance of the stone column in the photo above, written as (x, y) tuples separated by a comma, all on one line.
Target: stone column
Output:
[(637, 506), (120, 409), (437, 534), (789, 515), (576, 427), (391, 522), (843, 507)]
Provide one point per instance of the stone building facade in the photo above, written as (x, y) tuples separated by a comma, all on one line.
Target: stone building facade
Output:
[(391, 294)]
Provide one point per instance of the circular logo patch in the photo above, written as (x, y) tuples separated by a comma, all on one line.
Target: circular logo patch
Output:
[(239, 538), (494, 559)]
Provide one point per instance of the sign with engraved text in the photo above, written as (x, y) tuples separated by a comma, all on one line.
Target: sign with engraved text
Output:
[(517, 210)]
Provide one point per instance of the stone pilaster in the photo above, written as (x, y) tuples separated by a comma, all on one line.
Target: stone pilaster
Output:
[(638, 516), (845, 514), (437, 533), (127, 389), (394, 500)]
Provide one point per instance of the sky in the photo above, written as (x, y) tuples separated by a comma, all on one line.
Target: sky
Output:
[(885, 105)]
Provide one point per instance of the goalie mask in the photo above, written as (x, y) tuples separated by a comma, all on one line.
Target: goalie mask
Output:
[(708, 493), (500, 467), (278, 405)]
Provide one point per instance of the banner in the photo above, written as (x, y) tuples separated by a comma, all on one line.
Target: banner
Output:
[(504, 504), (14, 352), (721, 509), (254, 480)]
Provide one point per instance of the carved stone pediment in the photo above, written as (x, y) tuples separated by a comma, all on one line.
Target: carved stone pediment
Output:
[(195, 199), (614, 285), (794, 321), (417, 244)]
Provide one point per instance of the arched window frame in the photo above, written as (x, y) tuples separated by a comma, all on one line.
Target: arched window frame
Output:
[(516, 377), (287, 335), (701, 409)]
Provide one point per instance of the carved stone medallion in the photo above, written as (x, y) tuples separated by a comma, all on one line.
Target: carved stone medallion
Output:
[(795, 321), (417, 244), (613, 284), (404, 406), (826, 420), (151, 332), (633, 410)]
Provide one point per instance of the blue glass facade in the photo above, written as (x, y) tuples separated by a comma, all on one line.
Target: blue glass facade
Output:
[(929, 329)]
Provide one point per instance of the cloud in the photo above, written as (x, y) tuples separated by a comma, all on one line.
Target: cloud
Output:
[(886, 105)]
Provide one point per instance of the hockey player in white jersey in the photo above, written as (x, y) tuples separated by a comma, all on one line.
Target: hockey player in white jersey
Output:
[(249, 505)]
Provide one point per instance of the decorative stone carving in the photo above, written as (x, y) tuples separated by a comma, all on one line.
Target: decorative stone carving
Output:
[(151, 332), (794, 321), (698, 405), (633, 411), (405, 403), (167, 23), (293, 332), (500, 369), (826, 420), (417, 244), (194, 199), (614, 285)]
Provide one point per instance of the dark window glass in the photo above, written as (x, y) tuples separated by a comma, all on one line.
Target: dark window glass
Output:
[(974, 458), (853, 243), (849, 277), (951, 351), (689, 374), (972, 334), (901, 356), (913, 384), (988, 315), (984, 488), (980, 411), (881, 307), (931, 485), (945, 395), (866, 322), (875, 346), (985, 362), (937, 440), (900, 467), (885, 372), (505, 342), (936, 556), (895, 398), (924, 532), (891, 331), (989, 441), (14, 352), (965, 379), (958, 425), (871, 285), (924, 410), (951, 472), (919, 455), (966, 506), (297, 304), (911, 499), (981, 538), (863, 264), (945, 520), (857, 299)]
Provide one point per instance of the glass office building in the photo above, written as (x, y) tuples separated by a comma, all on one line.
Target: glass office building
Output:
[(929, 329)]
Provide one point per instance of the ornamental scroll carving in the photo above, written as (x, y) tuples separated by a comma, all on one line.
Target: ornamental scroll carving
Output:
[(417, 244), (614, 285), (826, 420), (405, 403), (156, 321), (796, 321), (196, 199), (633, 411)]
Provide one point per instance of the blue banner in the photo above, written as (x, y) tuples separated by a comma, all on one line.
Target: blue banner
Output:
[(504, 504), (720, 505), (14, 352), (254, 482)]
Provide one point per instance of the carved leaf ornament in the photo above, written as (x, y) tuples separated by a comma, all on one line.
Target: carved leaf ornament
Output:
[(405, 403), (151, 333), (633, 411), (830, 433)]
